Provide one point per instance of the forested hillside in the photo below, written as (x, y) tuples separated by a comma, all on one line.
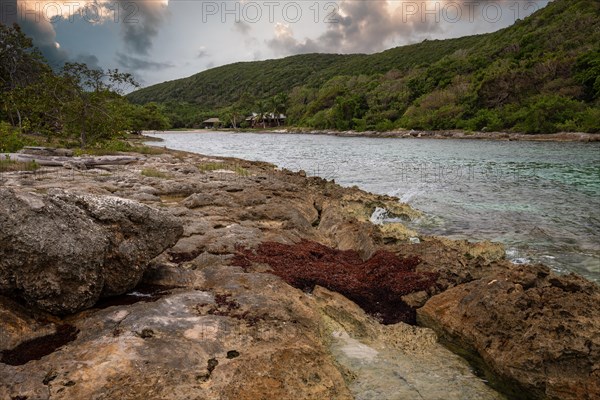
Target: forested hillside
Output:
[(540, 75)]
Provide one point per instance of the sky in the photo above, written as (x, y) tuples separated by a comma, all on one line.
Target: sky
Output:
[(161, 40)]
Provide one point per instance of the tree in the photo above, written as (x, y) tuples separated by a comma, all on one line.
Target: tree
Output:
[(587, 70), (261, 109), (147, 117), (21, 66), (278, 104), (43, 105), (241, 108), (96, 100), (78, 102)]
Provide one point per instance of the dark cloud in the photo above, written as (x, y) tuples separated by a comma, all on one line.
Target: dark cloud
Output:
[(141, 23), (41, 31), (137, 64), (89, 59)]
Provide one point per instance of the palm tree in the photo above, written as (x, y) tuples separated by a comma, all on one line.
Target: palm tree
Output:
[(283, 103), (262, 107), (279, 105)]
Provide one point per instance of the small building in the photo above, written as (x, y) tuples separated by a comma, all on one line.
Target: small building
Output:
[(268, 120), (211, 123)]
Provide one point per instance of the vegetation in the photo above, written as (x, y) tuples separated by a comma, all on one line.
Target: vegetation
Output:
[(154, 173), (540, 75), (116, 146), (76, 105), (8, 165)]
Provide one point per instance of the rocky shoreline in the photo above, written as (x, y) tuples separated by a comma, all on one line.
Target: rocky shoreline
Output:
[(182, 276), (452, 134), (457, 134)]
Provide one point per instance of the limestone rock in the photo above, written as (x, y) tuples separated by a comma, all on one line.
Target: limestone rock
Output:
[(60, 252), (538, 333), (243, 336)]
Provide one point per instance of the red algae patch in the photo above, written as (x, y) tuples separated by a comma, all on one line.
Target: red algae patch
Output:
[(376, 284)]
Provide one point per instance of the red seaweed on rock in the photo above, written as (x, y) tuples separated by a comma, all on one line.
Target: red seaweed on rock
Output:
[(376, 285)]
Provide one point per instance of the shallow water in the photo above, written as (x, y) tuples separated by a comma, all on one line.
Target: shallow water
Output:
[(541, 200), (393, 374)]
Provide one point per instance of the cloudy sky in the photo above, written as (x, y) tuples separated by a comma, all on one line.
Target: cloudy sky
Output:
[(160, 40)]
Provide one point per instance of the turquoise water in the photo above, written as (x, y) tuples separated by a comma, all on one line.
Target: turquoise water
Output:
[(541, 200)]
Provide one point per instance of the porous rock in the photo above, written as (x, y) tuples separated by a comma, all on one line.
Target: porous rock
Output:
[(60, 252)]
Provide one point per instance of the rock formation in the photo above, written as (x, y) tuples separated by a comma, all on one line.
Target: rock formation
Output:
[(61, 252), (215, 317)]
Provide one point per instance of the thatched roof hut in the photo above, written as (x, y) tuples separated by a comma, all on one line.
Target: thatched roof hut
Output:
[(211, 123)]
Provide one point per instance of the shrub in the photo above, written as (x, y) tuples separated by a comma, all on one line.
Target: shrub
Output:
[(587, 121), (545, 113), (11, 140), (487, 120)]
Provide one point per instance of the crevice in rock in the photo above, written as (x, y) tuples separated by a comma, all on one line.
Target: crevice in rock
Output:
[(319, 209), (233, 354), (179, 258), (142, 293), (508, 387)]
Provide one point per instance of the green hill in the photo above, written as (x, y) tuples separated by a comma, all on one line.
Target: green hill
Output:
[(222, 86), (540, 75)]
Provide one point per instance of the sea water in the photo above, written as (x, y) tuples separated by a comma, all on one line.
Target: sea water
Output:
[(541, 199)]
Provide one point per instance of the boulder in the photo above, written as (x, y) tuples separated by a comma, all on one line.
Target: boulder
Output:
[(61, 252), (536, 333)]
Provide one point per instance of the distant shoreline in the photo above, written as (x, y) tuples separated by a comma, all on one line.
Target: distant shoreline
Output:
[(453, 134)]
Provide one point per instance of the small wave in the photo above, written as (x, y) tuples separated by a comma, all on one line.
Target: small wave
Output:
[(516, 256), (378, 216), (382, 216), (411, 195)]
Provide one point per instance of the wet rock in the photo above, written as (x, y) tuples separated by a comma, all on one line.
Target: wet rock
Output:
[(485, 251), (394, 361), (536, 341), (61, 251)]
